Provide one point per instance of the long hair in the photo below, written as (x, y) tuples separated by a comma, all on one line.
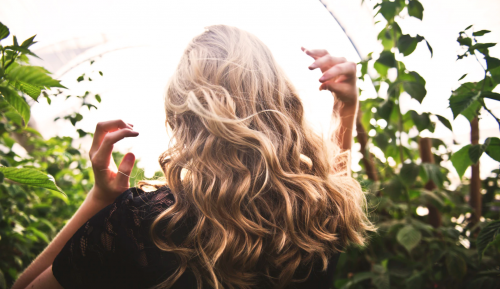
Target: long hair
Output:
[(249, 176)]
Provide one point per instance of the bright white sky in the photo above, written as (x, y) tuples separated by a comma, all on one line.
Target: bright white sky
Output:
[(156, 33)]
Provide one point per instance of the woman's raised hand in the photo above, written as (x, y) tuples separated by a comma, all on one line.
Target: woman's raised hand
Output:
[(110, 181), (339, 75)]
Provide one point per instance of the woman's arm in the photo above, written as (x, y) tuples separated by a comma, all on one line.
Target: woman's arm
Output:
[(109, 183), (339, 77)]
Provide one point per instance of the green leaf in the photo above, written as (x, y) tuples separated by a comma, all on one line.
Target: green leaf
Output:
[(422, 121), (409, 173), (462, 77), (461, 160), (98, 98), (495, 74), (415, 89), (100, 72), (416, 9), (30, 177), (468, 27), (460, 102), (409, 237), (4, 31), (491, 95), (472, 111), (389, 9), (433, 172), (492, 62), (17, 102), (487, 235), (21, 49), (39, 234), (28, 42), (444, 121), (455, 265), (31, 90), (493, 149), (33, 75), (386, 57), (480, 32), (407, 44), (479, 46), (465, 41), (385, 109), (14, 116), (476, 151)]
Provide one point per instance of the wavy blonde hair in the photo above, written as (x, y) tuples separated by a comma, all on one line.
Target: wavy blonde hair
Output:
[(248, 174)]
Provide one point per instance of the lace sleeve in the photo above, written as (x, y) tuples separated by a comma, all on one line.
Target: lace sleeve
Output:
[(113, 248)]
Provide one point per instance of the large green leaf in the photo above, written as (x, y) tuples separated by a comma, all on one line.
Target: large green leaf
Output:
[(30, 177), (487, 235), (460, 102), (415, 89), (4, 31), (33, 75), (493, 149), (475, 151), (416, 9), (31, 90), (461, 160), (17, 102), (409, 237)]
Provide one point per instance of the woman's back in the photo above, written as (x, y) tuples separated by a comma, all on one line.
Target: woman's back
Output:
[(114, 250)]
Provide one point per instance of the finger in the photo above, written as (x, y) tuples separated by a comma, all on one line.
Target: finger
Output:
[(102, 129), (102, 157), (124, 170), (326, 62), (315, 53), (347, 69)]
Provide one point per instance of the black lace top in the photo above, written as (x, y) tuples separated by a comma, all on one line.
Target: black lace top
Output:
[(114, 249)]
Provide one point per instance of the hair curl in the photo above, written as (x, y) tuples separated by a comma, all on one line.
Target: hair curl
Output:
[(249, 175)]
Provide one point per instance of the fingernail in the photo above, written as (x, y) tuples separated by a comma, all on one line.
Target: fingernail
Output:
[(313, 66), (322, 79)]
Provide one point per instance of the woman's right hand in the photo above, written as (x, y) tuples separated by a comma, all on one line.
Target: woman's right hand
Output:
[(110, 180)]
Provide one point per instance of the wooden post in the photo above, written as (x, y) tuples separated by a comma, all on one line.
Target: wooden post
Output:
[(475, 180), (362, 136), (425, 145)]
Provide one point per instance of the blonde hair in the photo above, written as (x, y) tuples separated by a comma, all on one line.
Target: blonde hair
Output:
[(248, 174)]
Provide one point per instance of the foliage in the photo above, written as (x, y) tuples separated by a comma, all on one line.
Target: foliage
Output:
[(440, 249), (32, 207)]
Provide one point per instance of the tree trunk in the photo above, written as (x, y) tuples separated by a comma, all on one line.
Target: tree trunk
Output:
[(367, 159), (426, 155), (475, 180)]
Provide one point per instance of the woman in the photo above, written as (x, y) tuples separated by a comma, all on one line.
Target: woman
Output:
[(254, 198)]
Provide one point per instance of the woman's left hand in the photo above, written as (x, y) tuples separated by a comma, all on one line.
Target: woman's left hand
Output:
[(110, 181), (339, 75)]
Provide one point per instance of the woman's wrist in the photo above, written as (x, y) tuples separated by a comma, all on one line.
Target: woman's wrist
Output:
[(95, 197)]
